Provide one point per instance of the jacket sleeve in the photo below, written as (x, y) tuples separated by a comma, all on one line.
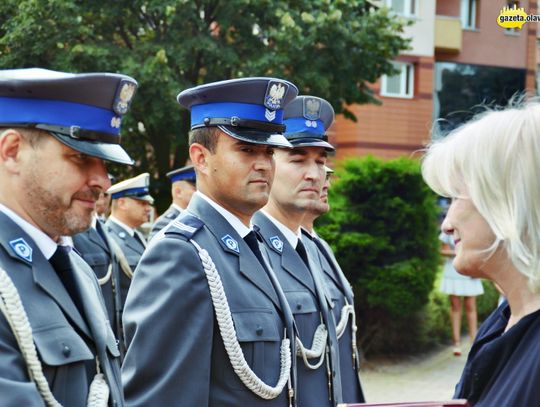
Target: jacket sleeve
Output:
[(16, 389), (168, 324)]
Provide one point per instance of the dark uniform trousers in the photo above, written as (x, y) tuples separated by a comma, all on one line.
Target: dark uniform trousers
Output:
[(67, 340), (316, 387), (132, 248), (95, 248), (176, 354), (339, 293), (167, 217)]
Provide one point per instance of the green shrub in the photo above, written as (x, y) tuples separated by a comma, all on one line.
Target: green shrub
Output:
[(383, 228)]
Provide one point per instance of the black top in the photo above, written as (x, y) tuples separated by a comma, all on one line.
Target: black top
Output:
[(503, 368)]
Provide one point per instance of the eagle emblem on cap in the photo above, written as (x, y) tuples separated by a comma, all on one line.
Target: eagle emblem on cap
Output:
[(312, 109), (275, 94), (124, 95)]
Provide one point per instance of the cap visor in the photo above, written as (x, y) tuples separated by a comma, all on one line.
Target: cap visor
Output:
[(256, 136), (105, 151), (312, 142), (146, 198)]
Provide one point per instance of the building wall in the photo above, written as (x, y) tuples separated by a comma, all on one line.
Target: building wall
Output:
[(421, 32)]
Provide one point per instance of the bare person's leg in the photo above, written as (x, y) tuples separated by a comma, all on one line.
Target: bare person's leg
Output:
[(455, 318), (472, 318)]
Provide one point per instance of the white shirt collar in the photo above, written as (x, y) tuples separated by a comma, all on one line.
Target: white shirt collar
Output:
[(130, 231), (291, 237), (177, 207), (236, 223), (45, 244)]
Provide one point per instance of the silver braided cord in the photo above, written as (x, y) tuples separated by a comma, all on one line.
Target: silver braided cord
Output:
[(12, 308), (317, 350), (230, 340), (346, 311), (105, 279)]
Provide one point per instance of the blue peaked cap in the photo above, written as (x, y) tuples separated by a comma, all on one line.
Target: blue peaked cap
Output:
[(186, 173), (248, 109), (82, 111), (306, 119)]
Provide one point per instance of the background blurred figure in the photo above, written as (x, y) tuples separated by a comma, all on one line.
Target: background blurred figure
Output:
[(103, 206), (183, 186), (131, 206), (458, 286)]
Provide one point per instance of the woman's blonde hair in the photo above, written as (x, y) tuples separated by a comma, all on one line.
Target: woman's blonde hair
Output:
[(494, 160)]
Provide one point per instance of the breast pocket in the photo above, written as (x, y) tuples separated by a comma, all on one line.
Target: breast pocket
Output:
[(60, 345), (305, 312), (258, 334)]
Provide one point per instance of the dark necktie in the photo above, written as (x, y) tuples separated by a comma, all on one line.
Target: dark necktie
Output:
[(253, 243), (62, 265), (301, 250)]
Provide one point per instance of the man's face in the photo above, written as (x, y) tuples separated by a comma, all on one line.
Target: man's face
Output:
[(240, 175), (60, 186), (135, 211), (299, 178), (103, 203)]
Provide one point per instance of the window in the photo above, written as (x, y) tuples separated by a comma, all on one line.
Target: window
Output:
[(401, 84), (468, 14), (405, 8)]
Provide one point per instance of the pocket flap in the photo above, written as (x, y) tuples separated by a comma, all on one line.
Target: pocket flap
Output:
[(96, 259), (301, 302), (255, 325), (60, 345)]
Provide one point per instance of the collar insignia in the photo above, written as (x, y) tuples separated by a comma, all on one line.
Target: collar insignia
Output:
[(22, 249), (230, 243), (277, 243)]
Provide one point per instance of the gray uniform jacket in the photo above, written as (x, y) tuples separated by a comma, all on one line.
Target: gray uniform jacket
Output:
[(66, 341), (167, 217), (94, 246), (132, 249), (176, 355), (299, 288), (340, 292)]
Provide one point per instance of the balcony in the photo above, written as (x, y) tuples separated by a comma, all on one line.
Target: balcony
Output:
[(447, 34)]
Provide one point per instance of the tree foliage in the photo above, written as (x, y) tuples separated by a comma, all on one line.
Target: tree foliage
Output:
[(329, 48), (383, 228)]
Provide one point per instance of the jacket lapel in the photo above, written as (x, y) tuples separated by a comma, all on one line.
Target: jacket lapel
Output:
[(42, 272), (231, 242), (290, 260), (94, 236)]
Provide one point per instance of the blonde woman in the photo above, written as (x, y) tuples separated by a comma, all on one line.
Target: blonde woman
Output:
[(490, 167)]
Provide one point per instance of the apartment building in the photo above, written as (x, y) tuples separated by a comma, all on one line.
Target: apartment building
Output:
[(459, 59)]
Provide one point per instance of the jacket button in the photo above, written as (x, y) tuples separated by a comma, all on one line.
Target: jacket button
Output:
[(259, 330), (66, 351), (298, 306)]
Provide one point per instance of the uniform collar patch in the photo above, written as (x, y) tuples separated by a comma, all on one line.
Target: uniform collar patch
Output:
[(231, 243), (277, 243), (22, 249)]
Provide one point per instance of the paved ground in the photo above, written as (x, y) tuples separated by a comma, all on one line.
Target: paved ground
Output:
[(429, 377)]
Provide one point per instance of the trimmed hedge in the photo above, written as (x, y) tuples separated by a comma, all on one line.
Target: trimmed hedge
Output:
[(383, 228)]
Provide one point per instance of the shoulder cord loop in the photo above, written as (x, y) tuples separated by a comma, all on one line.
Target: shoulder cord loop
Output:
[(230, 340), (13, 310)]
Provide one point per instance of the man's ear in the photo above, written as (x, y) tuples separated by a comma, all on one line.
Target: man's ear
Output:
[(199, 155), (12, 143)]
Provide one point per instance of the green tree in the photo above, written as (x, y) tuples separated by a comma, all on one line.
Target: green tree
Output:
[(383, 228), (332, 49)]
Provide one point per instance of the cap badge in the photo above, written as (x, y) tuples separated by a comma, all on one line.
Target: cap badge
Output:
[(230, 243), (277, 243), (123, 98), (269, 114), (115, 122), (22, 249), (274, 95), (312, 109)]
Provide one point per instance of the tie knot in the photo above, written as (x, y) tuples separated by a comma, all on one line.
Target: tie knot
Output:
[(60, 258), (251, 240)]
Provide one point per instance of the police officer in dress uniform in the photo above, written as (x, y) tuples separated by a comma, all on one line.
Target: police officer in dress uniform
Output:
[(131, 206), (338, 289), (297, 186), (182, 189), (56, 131), (96, 249), (204, 300)]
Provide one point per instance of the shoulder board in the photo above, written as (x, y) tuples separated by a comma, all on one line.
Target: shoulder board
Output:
[(187, 226)]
